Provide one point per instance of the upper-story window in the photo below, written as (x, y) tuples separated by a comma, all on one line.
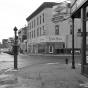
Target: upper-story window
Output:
[(37, 21), (70, 30), (43, 18), (40, 19), (34, 33), (40, 31), (44, 31), (37, 32), (30, 34), (32, 24), (28, 26), (56, 30)]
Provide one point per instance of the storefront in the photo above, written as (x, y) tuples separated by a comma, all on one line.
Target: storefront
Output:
[(51, 44), (80, 10)]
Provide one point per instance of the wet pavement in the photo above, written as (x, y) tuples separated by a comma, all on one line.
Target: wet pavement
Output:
[(40, 72), (7, 61)]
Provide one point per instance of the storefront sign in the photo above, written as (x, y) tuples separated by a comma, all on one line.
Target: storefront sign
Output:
[(34, 40), (56, 39), (51, 39), (42, 39)]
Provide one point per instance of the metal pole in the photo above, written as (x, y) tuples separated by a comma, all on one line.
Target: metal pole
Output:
[(15, 50), (73, 62)]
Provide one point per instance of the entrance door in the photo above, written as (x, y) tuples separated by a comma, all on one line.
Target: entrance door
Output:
[(50, 49)]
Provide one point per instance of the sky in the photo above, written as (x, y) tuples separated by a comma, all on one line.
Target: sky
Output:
[(14, 13)]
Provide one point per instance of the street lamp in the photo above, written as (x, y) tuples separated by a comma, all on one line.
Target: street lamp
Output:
[(15, 49)]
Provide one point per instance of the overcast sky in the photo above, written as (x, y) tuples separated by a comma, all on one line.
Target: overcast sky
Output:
[(14, 13)]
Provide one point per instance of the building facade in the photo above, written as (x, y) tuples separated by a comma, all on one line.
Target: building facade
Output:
[(5, 43), (22, 40), (79, 9), (45, 36)]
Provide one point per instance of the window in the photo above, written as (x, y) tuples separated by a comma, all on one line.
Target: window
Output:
[(30, 34), (44, 31), (40, 31), (34, 33), (28, 26), (70, 30), (43, 18), (37, 21), (56, 30), (37, 32), (32, 24), (40, 19)]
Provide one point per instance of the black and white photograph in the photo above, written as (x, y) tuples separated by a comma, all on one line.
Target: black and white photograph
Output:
[(44, 44)]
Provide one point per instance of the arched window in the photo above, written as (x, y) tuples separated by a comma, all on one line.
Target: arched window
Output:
[(56, 30)]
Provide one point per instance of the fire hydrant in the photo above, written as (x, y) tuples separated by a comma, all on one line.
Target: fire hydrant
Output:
[(66, 60)]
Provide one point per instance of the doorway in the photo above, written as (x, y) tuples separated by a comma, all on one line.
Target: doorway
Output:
[(50, 49)]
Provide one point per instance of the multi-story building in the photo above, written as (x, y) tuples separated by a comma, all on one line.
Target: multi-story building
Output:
[(22, 39), (10, 44), (5, 43), (45, 36)]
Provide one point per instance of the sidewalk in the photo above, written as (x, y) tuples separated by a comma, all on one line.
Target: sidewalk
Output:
[(40, 54), (50, 75)]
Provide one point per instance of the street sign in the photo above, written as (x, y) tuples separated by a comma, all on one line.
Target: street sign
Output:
[(61, 8), (58, 19)]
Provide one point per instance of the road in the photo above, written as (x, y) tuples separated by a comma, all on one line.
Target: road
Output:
[(7, 61)]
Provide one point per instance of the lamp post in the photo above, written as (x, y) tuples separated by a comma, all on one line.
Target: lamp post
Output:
[(15, 49)]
